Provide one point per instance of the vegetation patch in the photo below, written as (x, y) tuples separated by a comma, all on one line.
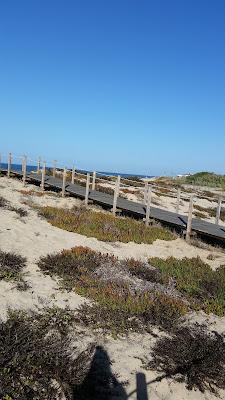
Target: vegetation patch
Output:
[(121, 312), (164, 191), (196, 280), (3, 202), (199, 214), (194, 356), (129, 191), (207, 193), (107, 190), (72, 265), (33, 192), (11, 266), (103, 226), (7, 206), (211, 212), (121, 304), (37, 360), (144, 271), (206, 179), (131, 181)]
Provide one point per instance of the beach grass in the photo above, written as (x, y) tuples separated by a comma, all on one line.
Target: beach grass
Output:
[(104, 226)]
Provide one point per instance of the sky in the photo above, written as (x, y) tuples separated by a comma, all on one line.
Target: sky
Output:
[(133, 86)]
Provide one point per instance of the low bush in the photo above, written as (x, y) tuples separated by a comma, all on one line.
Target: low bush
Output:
[(20, 211), (206, 179), (192, 355), (79, 269), (211, 211), (37, 193), (130, 311), (103, 226), (36, 357), (6, 205), (196, 280), (129, 191), (107, 190), (3, 202), (199, 214), (72, 265), (143, 270), (11, 266)]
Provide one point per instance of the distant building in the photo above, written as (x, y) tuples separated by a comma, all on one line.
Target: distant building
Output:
[(183, 175)]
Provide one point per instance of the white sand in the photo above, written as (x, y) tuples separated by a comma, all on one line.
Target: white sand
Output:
[(33, 237)]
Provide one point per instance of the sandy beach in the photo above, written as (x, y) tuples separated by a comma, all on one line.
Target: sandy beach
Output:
[(32, 237)]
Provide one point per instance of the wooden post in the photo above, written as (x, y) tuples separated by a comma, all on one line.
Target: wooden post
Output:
[(93, 180), (64, 182), (73, 175), (145, 192), (189, 222), (116, 194), (87, 189), (9, 164), (24, 170), (43, 176), (39, 165), (148, 207), (178, 200), (218, 211), (54, 168)]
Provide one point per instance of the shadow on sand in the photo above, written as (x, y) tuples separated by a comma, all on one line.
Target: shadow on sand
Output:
[(101, 384)]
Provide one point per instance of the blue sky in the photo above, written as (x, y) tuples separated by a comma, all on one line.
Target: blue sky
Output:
[(134, 86)]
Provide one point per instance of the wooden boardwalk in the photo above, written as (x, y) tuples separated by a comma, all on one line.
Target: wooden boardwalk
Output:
[(129, 207)]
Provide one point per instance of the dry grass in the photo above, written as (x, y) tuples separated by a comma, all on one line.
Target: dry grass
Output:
[(103, 226)]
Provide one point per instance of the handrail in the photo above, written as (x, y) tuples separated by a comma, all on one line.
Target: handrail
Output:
[(100, 178)]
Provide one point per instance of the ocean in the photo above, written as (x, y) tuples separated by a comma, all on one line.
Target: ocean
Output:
[(17, 167)]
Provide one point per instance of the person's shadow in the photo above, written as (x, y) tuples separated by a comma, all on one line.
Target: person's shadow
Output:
[(100, 383)]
